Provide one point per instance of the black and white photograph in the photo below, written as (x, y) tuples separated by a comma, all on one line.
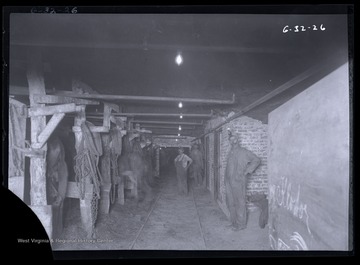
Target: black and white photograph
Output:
[(180, 129)]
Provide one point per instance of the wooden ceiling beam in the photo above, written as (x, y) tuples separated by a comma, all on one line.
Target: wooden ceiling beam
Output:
[(189, 115), (167, 122), (154, 47)]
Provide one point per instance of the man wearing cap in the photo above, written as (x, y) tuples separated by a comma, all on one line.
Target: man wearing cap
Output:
[(241, 163), (182, 163)]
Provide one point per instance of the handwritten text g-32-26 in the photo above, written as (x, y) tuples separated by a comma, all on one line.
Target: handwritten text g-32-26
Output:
[(301, 28)]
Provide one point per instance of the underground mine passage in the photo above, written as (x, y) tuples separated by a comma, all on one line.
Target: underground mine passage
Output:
[(182, 131)]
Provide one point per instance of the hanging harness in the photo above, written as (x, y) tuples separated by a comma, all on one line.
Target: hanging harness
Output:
[(86, 166), (115, 152)]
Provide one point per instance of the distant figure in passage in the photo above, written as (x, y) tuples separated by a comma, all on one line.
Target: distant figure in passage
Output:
[(182, 163), (197, 165), (241, 163)]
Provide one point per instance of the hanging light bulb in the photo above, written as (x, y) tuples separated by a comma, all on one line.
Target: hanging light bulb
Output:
[(179, 128), (178, 134), (181, 116), (179, 59), (180, 105)]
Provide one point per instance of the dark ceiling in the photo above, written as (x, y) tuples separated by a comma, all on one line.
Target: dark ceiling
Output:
[(134, 54)]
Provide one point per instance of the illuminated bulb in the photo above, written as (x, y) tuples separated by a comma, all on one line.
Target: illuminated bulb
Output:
[(178, 134), (179, 128), (176, 140), (178, 59), (180, 105), (180, 116)]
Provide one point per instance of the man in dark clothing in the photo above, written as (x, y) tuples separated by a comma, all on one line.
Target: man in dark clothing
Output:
[(197, 165), (240, 164), (182, 163)]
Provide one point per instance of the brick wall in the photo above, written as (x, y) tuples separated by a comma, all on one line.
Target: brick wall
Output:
[(253, 136)]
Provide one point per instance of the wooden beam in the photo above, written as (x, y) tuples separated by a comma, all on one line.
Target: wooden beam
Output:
[(167, 127), (149, 98), (170, 136), (48, 130), (167, 122), (50, 110), (98, 129), (170, 47), (51, 99), (186, 134), (188, 115)]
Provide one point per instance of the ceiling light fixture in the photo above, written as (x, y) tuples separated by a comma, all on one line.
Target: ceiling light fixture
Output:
[(181, 116), (179, 128), (180, 105), (179, 59)]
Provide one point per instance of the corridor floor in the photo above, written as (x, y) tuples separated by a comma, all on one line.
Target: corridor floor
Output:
[(165, 220)]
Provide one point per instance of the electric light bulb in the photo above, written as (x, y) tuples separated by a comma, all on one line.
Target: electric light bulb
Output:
[(178, 59)]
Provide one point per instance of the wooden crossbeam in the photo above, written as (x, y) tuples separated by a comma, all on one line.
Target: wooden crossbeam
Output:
[(48, 130), (167, 122), (97, 129), (170, 100), (51, 99), (50, 110)]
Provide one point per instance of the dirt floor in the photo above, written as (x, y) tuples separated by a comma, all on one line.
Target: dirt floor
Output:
[(164, 220)]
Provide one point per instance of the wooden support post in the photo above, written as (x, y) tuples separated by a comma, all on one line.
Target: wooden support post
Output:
[(38, 200), (157, 165), (107, 112), (105, 169), (85, 204)]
